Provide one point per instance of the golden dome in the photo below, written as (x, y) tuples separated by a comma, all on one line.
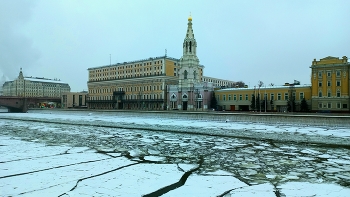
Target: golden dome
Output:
[(190, 18)]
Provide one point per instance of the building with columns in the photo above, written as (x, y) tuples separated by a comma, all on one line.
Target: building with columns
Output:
[(156, 83), (133, 85)]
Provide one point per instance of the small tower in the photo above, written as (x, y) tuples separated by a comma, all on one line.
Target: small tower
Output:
[(20, 76), (189, 71)]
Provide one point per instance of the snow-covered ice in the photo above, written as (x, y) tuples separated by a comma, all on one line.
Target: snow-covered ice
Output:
[(53, 153)]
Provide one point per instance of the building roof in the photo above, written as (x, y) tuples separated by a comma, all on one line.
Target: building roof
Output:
[(267, 87), (132, 62), (43, 80)]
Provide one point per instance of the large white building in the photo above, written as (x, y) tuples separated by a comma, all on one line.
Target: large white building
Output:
[(34, 87)]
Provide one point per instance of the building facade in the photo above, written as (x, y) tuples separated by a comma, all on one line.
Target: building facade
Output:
[(74, 100), (219, 83), (153, 83), (330, 84), (328, 92), (34, 87), (272, 98), (132, 85)]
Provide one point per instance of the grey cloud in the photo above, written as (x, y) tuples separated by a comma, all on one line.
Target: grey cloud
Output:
[(16, 50)]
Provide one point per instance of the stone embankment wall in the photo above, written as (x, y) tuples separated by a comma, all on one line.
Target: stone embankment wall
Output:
[(281, 119)]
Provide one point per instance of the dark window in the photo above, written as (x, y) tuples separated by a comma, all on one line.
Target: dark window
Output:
[(345, 105), (80, 100), (338, 93), (338, 73)]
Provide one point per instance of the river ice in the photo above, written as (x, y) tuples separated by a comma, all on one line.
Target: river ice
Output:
[(52, 153)]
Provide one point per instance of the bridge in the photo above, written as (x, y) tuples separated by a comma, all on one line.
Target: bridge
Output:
[(21, 104)]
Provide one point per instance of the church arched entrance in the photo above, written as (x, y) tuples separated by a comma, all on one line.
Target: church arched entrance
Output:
[(184, 105)]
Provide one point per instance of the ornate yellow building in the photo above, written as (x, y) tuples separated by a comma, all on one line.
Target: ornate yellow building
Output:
[(330, 84)]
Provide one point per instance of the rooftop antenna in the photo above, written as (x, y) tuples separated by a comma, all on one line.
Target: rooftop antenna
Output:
[(165, 52), (110, 60)]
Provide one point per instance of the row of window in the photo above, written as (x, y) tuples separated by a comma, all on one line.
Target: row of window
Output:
[(128, 76), (129, 97), (329, 105), (262, 96), (329, 73), (219, 82), (128, 66), (35, 85), (128, 89), (329, 93), (329, 83), (185, 96), (126, 71)]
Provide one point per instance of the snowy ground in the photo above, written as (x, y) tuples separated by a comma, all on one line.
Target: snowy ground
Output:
[(53, 153)]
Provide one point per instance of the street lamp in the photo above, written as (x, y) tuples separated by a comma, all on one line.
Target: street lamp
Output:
[(265, 98)]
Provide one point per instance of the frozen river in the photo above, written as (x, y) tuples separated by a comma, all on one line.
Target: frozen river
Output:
[(157, 154)]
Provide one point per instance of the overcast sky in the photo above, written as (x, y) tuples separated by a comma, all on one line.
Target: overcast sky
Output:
[(271, 41)]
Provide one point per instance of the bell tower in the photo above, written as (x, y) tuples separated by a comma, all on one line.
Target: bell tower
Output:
[(189, 71)]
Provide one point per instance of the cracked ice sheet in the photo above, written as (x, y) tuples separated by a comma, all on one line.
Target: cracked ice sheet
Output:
[(136, 180), (301, 189), (13, 149), (266, 190), (54, 181), (49, 162), (199, 185)]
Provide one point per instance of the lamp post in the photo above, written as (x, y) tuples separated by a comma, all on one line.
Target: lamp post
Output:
[(179, 94), (265, 98), (291, 97)]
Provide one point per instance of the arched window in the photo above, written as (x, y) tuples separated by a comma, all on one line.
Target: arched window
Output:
[(194, 74), (185, 74), (190, 46), (320, 94), (184, 96)]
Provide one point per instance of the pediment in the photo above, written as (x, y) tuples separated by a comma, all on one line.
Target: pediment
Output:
[(329, 58)]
